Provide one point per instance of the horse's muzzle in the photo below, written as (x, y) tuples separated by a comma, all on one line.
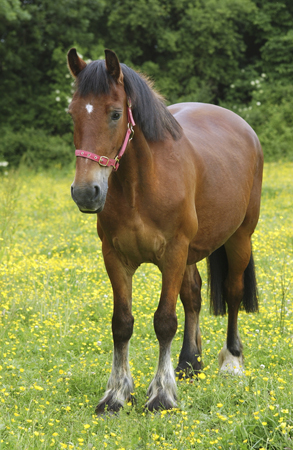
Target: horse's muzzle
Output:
[(89, 198)]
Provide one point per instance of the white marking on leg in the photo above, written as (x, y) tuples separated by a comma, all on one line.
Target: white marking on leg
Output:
[(229, 363), (89, 108), (120, 385), (164, 384)]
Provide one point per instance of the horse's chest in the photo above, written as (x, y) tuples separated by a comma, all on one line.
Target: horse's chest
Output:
[(138, 243)]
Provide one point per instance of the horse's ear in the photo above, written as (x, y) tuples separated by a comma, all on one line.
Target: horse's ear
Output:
[(113, 66), (75, 63)]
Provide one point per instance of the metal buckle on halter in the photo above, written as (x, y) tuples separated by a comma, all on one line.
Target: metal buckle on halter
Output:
[(101, 163), (130, 127), (116, 164)]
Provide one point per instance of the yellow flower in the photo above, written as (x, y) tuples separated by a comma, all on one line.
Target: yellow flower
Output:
[(201, 375)]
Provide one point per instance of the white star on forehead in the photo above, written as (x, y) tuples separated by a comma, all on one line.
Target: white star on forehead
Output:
[(89, 108)]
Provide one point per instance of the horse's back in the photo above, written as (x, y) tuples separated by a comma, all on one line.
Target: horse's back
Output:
[(220, 141), (210, 128)]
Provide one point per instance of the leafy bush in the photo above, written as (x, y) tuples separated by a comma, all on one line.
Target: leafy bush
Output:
[(35, 149), (276, 134), (270, 113), (206, 51)]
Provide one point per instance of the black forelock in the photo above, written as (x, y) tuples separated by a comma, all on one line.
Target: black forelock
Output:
[(149, 110)]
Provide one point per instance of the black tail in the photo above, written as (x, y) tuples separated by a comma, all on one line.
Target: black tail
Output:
[(217, 273), (250, 295)]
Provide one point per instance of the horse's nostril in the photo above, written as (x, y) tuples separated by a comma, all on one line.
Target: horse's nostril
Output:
[(97, 191)]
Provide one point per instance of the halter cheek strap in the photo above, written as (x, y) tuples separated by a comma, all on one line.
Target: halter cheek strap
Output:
[(104, 161)]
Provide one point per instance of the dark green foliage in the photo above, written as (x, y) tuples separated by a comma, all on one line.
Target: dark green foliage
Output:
[(236, 53), (191, 49), (270, 113), (35, 149)]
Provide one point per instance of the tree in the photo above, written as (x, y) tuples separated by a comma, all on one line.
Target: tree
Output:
[(11, 10), (34, 85), (236, 53), (191, 49)]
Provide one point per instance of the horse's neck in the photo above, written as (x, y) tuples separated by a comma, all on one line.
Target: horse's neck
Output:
[(144, 168), (136, 167)]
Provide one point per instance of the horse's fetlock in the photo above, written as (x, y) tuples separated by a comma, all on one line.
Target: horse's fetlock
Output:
[(234, 352)]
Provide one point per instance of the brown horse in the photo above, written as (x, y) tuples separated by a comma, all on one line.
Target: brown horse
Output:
[(188, 187)]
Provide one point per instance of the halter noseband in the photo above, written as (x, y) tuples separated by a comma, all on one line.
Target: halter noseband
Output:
[(104, 161)]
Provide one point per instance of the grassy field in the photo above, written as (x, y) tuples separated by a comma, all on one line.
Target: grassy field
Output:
[(56, 344)]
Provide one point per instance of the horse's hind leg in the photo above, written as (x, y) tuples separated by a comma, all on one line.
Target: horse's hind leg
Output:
[(236, 286), (190, 356)]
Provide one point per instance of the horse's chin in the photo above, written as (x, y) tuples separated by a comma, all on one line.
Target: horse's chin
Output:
[(87, 211)]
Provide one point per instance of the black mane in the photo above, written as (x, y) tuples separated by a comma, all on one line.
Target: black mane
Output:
[(149, 110)]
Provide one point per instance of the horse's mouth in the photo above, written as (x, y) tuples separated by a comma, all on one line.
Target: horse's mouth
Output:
[(87, 211)]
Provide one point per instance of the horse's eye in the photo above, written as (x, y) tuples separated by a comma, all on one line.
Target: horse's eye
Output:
[(115, 115)]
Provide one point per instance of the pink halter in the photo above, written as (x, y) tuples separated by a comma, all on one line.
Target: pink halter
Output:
[(104, 160)]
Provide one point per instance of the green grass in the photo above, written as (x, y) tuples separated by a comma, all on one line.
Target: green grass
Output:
[(56, 343)]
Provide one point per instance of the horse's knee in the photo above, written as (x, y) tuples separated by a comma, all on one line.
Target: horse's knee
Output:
[(165, 324), (122, 327)]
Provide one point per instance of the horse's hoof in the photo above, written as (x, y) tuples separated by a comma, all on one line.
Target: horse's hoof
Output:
[(160, 402), (230, 364), (229, 369), (183, 374), (108, 406), (186, 370)]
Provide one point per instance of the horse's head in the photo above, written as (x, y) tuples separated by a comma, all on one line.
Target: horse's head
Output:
[(100, 114)]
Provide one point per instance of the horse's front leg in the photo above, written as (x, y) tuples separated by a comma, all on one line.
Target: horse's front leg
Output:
[(120, 384), (162, 390)]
